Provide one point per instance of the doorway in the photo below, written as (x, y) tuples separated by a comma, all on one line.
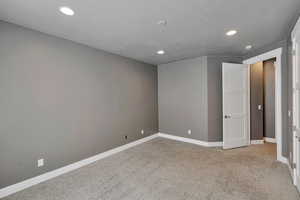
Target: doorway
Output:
[(262, 102), (276, 53)]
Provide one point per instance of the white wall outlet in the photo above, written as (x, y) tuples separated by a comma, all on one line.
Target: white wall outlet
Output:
[(142, 131), (289, 113), (189, 131), (40, 162)]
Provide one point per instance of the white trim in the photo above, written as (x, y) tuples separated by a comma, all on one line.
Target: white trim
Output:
[(291, 171), (257, 142), (249, 107), (270, 140), (52, 174), (296, 29), (284, 160), (214, 144), (278, 94), (265, 56), (189, 140), (295, 37)]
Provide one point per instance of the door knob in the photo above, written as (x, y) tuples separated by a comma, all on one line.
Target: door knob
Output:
[(227, 116)]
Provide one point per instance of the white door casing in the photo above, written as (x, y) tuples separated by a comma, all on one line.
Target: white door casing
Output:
[(235, 105), (276, 53)]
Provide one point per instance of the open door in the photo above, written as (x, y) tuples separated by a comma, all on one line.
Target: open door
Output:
[(296, 107), (235, 105), (297, 158)]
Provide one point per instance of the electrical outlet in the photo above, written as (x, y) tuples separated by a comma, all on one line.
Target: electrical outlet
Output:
[(142, 131), (189, 131), (40, 162)]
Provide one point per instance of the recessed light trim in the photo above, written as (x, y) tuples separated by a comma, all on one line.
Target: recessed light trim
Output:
[(248, 47), (66, 10), (162, 22), (160, 52), (231, 32)]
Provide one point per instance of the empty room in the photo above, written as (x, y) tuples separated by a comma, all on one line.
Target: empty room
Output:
[(150, 100)]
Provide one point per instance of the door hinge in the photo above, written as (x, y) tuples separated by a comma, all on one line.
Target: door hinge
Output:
[(293, 166), (297, 86), (294, 128)]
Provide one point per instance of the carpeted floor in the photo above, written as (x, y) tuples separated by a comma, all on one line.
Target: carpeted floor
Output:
[(168, 170)]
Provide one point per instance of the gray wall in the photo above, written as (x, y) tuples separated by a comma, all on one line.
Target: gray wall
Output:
[(256, 98), (190, 97), (215, 95), (64, 102), (269, 100), (182, 98), (262, 89)]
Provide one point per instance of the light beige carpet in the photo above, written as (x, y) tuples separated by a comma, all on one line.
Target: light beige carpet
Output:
[(168, 170)]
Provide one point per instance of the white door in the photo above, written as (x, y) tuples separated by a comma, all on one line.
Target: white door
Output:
[(235, 105), (296, 107), (297, 158)]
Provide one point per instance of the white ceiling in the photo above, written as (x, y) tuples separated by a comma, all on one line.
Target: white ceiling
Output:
[(129, 27)]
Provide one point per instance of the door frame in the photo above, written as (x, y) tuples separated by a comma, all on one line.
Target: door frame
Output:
[(295, 37), (276, 53)]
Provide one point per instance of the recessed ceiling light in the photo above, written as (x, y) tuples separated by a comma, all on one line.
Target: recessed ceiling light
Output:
[(160, 52), (248, 47), (162, 22), (66, 10), (231, 32)]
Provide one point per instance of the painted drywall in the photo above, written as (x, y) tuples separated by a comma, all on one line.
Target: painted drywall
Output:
[(256, 99), (190, 97), (64, 102), (215, 95), (269, 100), (182, 98)]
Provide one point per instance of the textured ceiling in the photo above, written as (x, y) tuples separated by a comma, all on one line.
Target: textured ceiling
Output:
[(129, 27)]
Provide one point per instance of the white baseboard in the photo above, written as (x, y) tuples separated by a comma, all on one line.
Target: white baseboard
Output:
[(283, 160), (291, 171), (257, 141), (270, 140), (52, 174), (192, 141), (214, 144)]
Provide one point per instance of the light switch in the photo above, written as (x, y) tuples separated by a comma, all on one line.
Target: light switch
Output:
[(40, 162)]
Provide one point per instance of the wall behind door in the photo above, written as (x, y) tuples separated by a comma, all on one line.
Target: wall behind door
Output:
[(256, 98), (269, 99)]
